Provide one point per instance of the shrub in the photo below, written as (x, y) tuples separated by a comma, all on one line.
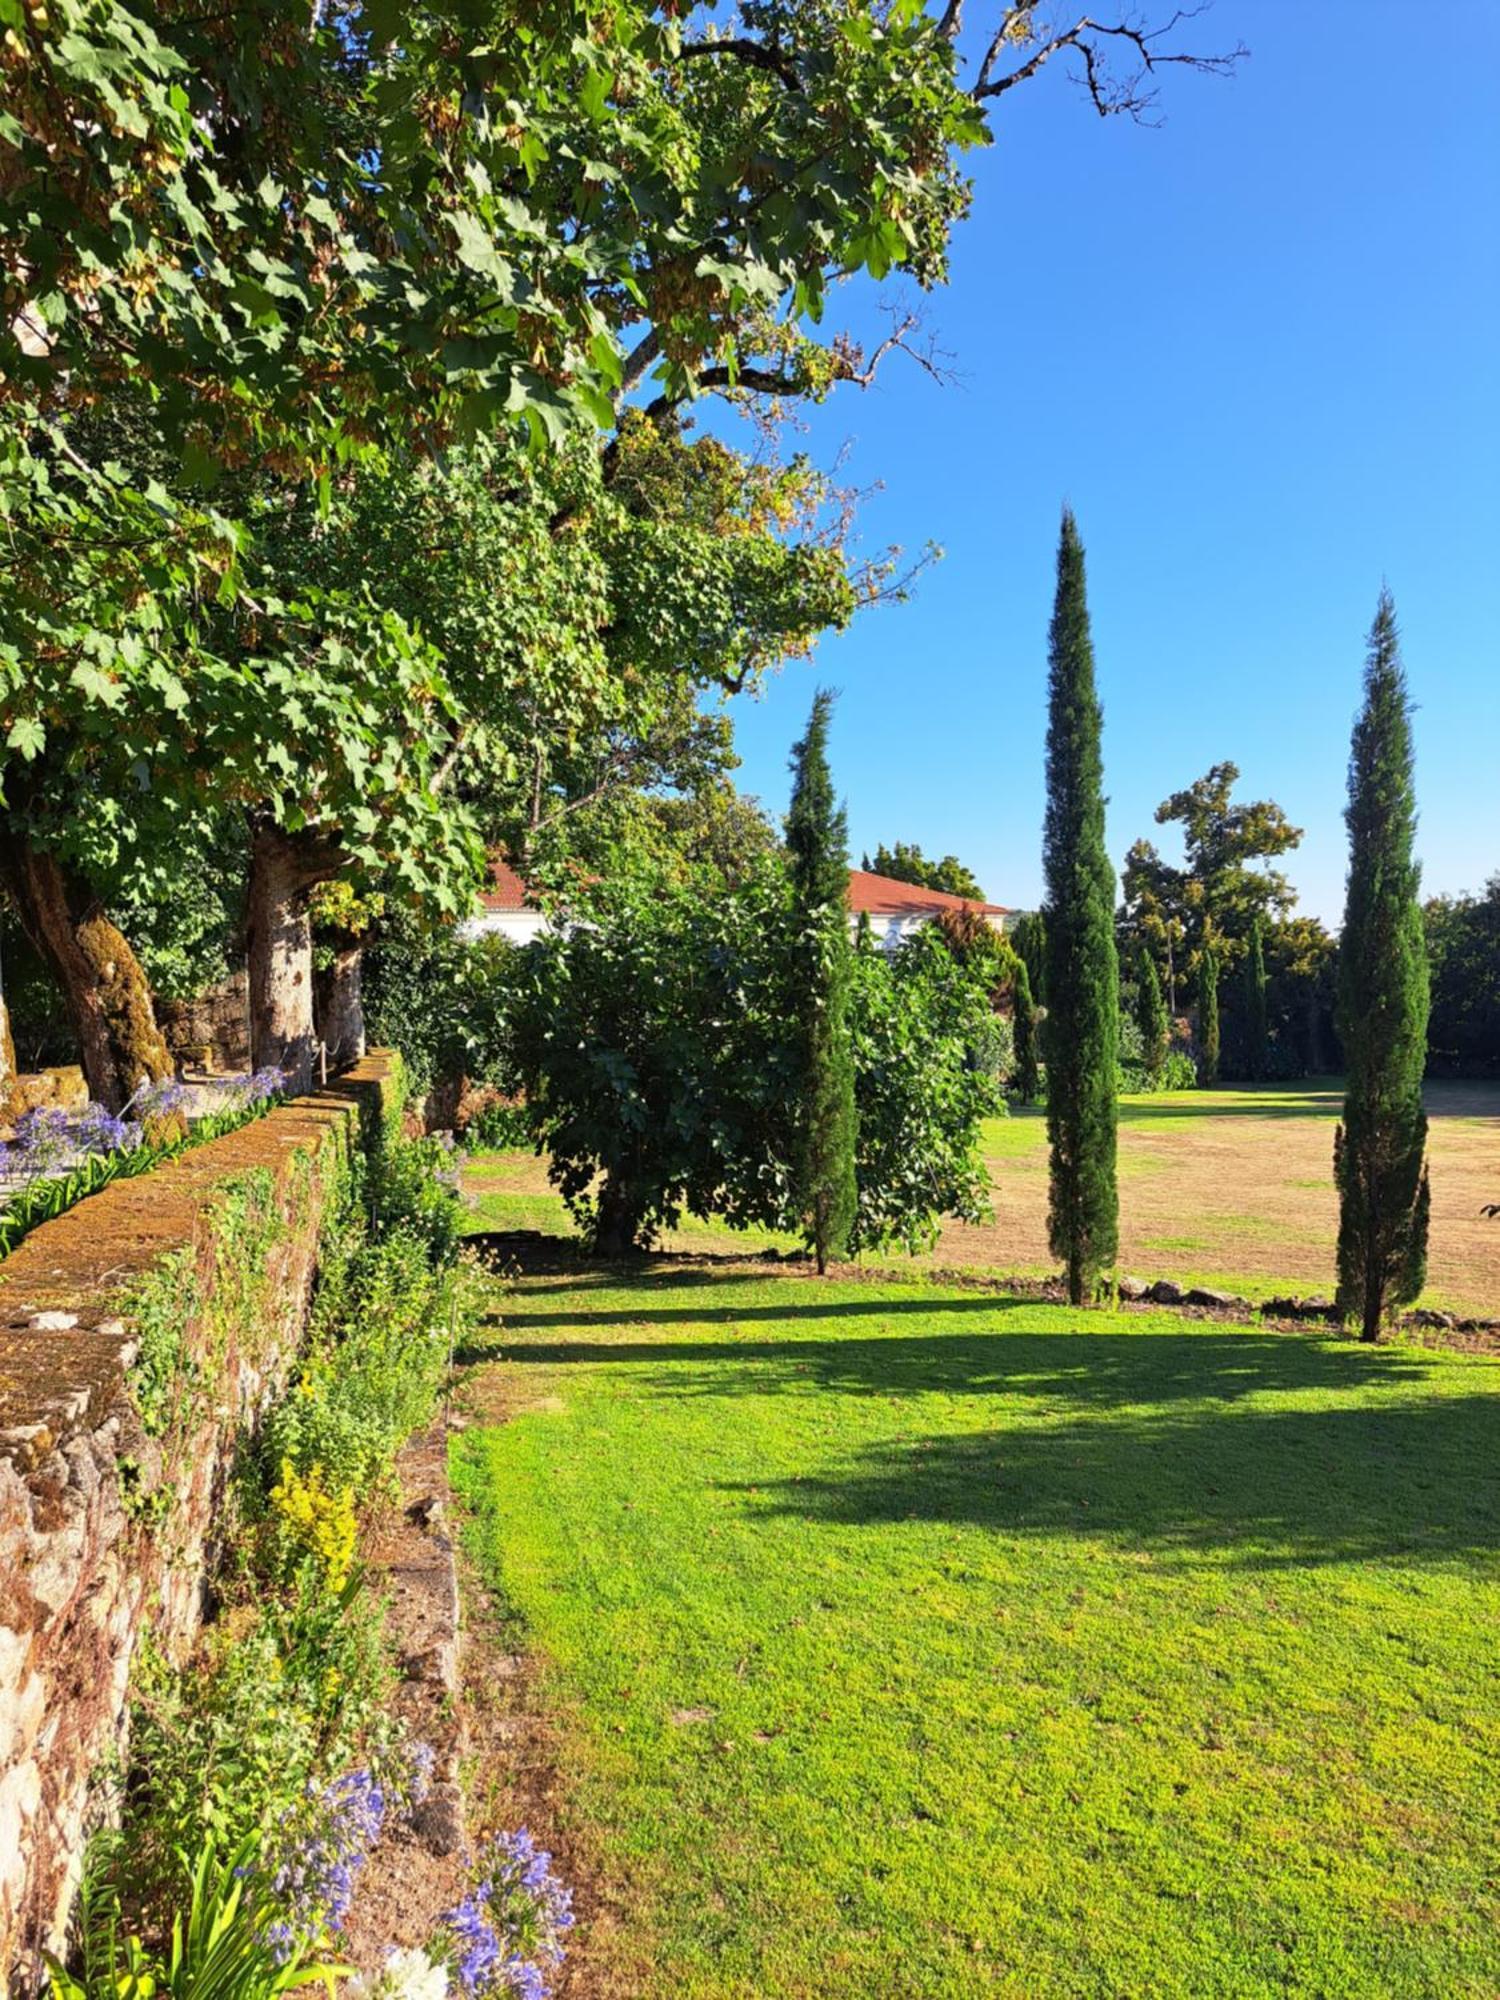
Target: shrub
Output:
[(656, 1049)]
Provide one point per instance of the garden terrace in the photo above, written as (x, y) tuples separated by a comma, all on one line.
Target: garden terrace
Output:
[(139, 1334)]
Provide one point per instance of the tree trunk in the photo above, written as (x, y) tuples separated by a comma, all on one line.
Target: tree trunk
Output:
[(617, 1223), (283, 867), (343, 1006), (7, 1051), (103, 986)]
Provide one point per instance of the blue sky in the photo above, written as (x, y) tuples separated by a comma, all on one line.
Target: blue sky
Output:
[(1256, 350)]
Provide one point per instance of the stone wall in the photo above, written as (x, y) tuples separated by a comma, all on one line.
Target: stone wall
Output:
[(218, 1019), (107, 1521)]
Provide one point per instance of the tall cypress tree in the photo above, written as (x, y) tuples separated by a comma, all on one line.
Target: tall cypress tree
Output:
[(1151, 1016), (1257, 1033), (1379, 1150), (1208, 1016), (1024, 1028), (1080, 1034), (818, 844)]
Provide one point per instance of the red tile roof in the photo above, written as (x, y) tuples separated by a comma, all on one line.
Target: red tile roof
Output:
[(506, 891), (882, 896), (879, 895)]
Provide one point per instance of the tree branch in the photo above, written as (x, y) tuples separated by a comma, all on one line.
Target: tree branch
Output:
[(1109, 96), (742, 49)]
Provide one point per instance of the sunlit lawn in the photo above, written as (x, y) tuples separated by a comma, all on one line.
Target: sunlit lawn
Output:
[(1232, 1188), (905, 1642)]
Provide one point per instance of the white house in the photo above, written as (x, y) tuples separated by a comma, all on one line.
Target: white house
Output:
[(504, 909), (897, 909)]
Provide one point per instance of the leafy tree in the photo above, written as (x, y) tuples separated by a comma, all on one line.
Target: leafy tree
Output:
[(1257, 1028), (1028, 935), (906, 862), (1379, 1153), (989, 958), (1463, 948), (818, 860), (1081, 1029), (1220, 893), (1301, 958), (659, 1048), (1208, 1017), (326, 237), (1151, 1017)]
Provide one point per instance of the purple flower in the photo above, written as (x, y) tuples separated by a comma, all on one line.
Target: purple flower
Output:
[(324, 1845), (98, 1130), (44, 1141), (161, 1099), (508, 1931)]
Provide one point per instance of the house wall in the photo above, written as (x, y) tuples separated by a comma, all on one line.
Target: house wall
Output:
[(519, 926)]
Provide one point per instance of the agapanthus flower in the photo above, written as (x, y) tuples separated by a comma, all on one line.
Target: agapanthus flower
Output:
[(406, 1975), (44, 1142), (508, 1932), (323, 1845)]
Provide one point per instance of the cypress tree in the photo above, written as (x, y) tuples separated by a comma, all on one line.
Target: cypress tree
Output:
[(1081, 1029), (1028, 939), (818, 845), (1257, 1034), (1151, 1017), (1208, 1016), (1024, 1027), (1379, 1149)]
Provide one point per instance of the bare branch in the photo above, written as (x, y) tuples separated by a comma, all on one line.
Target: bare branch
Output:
[(952, 21), (849, 364), (1131, 94)]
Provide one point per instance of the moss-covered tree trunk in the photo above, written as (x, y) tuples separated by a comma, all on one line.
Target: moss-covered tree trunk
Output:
[(283, 868), (103, 986)]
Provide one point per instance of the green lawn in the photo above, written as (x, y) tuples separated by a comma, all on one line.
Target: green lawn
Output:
[(906, 1642)]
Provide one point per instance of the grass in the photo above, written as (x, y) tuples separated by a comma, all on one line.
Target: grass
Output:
[(1228, 1188), (909, 1642)]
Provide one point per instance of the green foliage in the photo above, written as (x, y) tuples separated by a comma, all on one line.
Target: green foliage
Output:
[(1208, 1018), (1379, 1153), (905, 862), (818, 867), (382, 1339), (928, 1060), (1256, 1024), (658, 1047), (219, 1945), (1151, 1018), (1027, 1076), (289, 1681), (441, 998), (1081, 1030), (1215, 900), (1028, 937), (1463, 949)]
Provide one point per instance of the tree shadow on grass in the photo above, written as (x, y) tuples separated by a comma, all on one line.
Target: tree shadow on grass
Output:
[(1110, 1371), (1323, 1103), (1411, 1482)]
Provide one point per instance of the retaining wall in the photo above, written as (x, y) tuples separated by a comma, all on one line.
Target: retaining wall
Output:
[(141, 1334)]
